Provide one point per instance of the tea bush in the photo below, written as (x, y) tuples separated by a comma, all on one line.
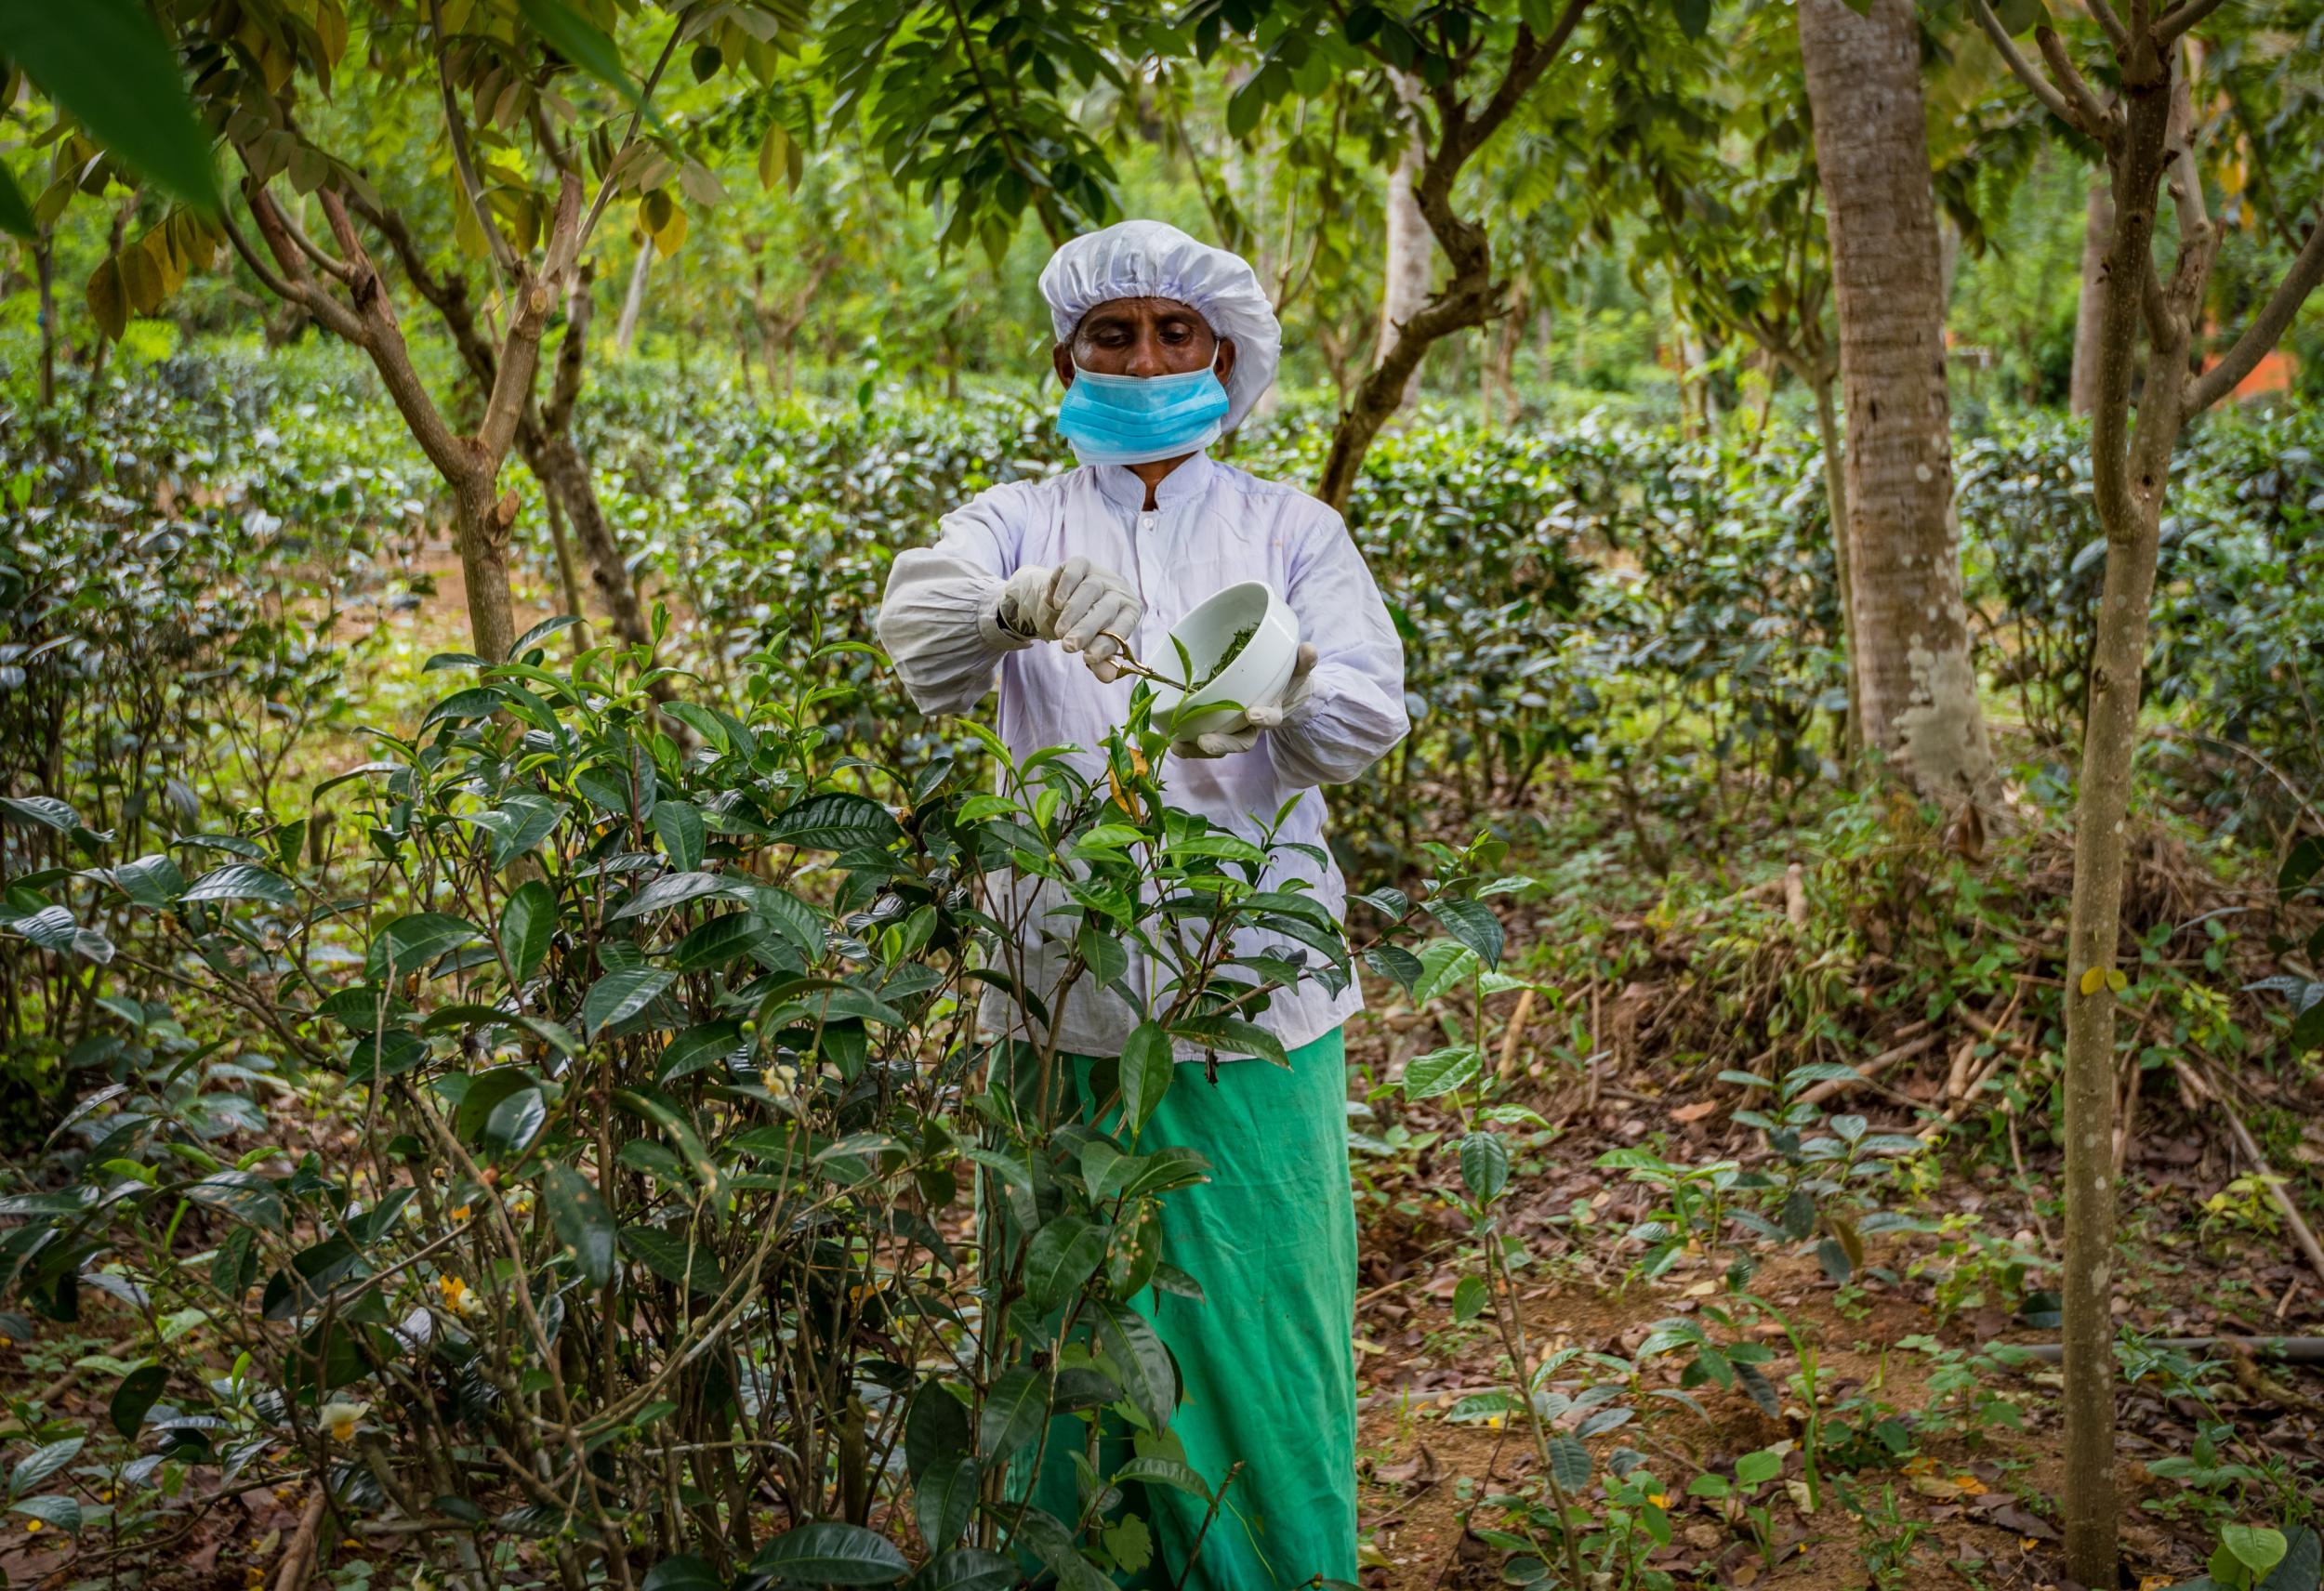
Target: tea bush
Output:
[(174, 625), (2237, 630), (620, 1227)]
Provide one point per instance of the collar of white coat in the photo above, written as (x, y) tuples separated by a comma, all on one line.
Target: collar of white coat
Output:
[(1185, 483)]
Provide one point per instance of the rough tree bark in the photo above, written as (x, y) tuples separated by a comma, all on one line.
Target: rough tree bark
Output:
[(1470, 297), (2098, 232), (2145, 136), (1917, 687)]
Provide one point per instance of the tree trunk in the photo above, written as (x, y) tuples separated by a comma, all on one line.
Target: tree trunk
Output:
[(1694, 414), (1836, 510), (1410, 262), (1499, 368), (544, 432), (2098, 229), (2131, 472), (479, 532), (1917, 687), (568, 577), (625, 329), (566, 475)]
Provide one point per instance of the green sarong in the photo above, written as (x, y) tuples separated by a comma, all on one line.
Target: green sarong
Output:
[(1267, 1361)]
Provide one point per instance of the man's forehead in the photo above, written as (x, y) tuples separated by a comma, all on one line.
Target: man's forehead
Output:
[(1134, 311)]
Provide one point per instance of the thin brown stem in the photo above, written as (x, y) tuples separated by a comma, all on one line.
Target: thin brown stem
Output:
[(464, 165), (2025, 71), (2267, 328)]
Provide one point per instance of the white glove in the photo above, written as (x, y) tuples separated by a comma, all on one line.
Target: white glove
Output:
[(1079, 605), (1024, 609), (1226, 742), (1095, 610)]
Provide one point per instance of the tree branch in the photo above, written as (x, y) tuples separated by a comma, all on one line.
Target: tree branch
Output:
[(1553, 42), (382, 338), (645, 95), (288, 292), (2070, 82), (447, 293), (330, 264), (2154, 299), (298, 283), (1528, 59), (520, 351), (2185, 179), (2043, 89), (2267, 328), (2179, 18), (504, 254), (2117, 34)]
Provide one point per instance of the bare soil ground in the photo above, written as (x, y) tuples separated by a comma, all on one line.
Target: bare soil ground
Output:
[(1980, 1507)]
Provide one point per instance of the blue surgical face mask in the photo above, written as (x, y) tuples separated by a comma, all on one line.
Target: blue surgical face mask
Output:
[(1137, 419)]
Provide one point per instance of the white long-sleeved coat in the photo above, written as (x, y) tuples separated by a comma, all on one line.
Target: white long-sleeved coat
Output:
[(1213, 526)]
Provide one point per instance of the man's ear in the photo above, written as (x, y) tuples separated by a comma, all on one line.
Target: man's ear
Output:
[(1226, 357), (1061, 359)]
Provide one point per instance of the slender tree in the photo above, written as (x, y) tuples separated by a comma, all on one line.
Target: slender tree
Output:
[(1916, 686), (544, 436), (1472, 86), (1408, 261), (633, 299), (495, 88), (2146, 394)]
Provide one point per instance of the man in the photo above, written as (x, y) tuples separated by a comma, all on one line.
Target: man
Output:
[(1163, 345)]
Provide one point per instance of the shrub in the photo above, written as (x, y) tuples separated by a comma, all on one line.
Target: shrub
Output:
[(621, 1217)]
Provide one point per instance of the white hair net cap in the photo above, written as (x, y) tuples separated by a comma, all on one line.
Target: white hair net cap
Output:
[(1152, 259)]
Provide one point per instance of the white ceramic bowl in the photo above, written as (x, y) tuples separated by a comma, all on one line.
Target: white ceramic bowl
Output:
[(1259, 676)]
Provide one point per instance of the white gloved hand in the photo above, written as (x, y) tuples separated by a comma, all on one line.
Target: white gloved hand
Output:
[(1072, 604), (1294, 695), (1095, 610), (1218, 743), (1025, 608), (1226, 742)]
